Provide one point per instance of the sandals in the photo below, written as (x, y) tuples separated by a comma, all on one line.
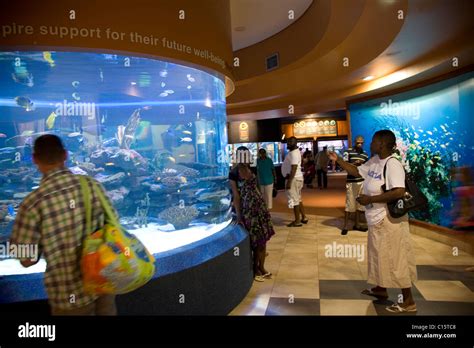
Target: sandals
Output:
[(259, 278), (369, 292), (396, 308), (294, 224), (267, 275), (305, 221)]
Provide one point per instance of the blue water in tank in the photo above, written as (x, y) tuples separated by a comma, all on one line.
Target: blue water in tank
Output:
[(151, 131)]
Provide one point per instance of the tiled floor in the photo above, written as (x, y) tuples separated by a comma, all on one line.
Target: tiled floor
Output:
[(308, 280)]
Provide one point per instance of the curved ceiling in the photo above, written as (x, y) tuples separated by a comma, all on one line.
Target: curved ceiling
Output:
[(256, 20), (397, 48)]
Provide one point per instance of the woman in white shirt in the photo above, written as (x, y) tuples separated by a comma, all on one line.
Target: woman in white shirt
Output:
[(391, 262)]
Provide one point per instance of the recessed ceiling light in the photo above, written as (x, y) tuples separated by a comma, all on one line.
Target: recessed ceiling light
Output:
[(133, 83), (241, 28), (368, 78)]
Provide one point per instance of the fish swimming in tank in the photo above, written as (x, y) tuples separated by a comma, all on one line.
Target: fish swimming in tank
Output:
[(50, 120), (25, 103), (21, 74), (48, 57), (170, 138), (23, 79)]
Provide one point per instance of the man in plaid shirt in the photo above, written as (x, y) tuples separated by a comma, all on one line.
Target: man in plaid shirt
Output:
[(53, 217)]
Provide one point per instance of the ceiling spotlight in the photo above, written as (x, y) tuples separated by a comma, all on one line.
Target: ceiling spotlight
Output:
[(133, 83), (368, 78)]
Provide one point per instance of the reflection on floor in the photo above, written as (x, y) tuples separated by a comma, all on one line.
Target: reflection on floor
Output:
[(307, 282)]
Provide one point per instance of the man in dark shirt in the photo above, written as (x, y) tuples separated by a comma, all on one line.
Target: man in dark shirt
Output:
[(356, 156)]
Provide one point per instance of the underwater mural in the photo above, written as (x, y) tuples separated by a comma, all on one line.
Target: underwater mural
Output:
[(150, 131), (434, 128)]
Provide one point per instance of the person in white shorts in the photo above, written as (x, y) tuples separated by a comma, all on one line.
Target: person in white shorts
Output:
[(291, 171), (356, 156), (391, 262)]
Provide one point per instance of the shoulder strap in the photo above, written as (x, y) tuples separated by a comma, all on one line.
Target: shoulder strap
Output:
[(86, 194), (109, 214), (385, 170)]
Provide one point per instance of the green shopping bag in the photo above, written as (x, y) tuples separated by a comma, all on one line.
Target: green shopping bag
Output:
[(113, 260)]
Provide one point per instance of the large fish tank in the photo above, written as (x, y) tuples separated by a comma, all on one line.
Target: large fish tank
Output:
[(150, 131)]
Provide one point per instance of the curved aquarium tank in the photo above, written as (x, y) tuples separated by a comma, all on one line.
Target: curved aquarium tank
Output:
[(152, 132)]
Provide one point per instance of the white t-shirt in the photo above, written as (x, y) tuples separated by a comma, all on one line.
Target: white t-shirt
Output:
[(372, 172), (291, 159)]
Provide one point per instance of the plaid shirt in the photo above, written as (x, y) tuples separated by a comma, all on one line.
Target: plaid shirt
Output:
[(53, 217)]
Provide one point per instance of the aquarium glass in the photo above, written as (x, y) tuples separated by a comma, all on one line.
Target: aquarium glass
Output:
[(150, 131), (434, 128)]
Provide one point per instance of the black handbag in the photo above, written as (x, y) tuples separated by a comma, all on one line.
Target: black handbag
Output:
[(412, 200)]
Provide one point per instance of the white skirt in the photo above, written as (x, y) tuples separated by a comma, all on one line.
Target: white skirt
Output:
[(391, 261)]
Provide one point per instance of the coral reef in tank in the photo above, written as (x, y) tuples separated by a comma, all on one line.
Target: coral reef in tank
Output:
[(179, 217), (142, 211)]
